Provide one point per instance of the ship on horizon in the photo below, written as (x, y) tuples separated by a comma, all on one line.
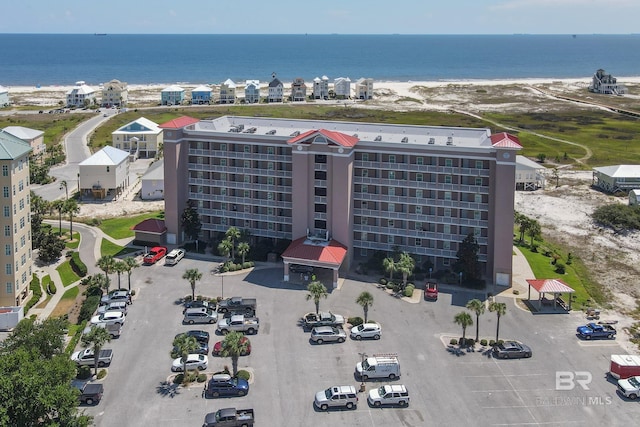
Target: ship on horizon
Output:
[(99, 34)]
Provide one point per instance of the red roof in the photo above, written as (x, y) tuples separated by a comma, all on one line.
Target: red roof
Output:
[(150, 225), (332, 253), (550, 286), (179, 123), (336, 137), (504, 140)]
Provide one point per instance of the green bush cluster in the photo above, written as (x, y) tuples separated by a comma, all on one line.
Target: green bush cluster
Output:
[(51, 288), (89, 306), (467, 342), (619, 217), (560, 268), (408, 291), (73, 342), (102, 373), (383, 281), (84, 372), (245, 375), (483, 342), (77, 265), (37, 293), (453, 341), (355, 321)]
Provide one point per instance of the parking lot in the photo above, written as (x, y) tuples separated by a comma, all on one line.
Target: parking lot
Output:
[(446, 388)]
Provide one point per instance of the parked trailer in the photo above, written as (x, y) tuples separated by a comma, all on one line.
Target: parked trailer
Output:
[(624, 366)]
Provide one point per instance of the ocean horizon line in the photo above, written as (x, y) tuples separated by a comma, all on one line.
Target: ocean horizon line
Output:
[(328, 34)]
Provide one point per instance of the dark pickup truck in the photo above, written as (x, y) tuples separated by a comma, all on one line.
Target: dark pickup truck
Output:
[(90, 393), (229, 417), (238, 305), (594, 330)]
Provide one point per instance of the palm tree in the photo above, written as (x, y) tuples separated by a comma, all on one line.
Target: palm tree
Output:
[(99, 281), (183, 346), (463, 319), (58, 205), (365, 299), (192, 275), (129, 264), (95, 340), (389, 266), (233, 346), (119, 267), (405, 265), (225, 247), (476, 306), (316, 291), (243, 250), (71, 207), (500, 309), (105, 263), (232, 235)]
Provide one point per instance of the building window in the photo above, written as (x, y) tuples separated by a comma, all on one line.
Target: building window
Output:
[(364, 205), (363, 236), (478, 181), (419, 210), (419, 161), (7, 230), (20, 185), (9, 286), (247, 194), (448, 162), (23, 241), (8, 268), (419, 177), (23, 259), (270, 166), (270, 195), (5, 191), (365, 157), (390, 224), (447, 195), (363, 220), (478, 164), (7, 249), (419, 226), (363, 252), (391, 207), (7, 211), (270, 150), (446, 245), (447, 212), (223, 191), (247, 179), (476, 232), (392, 158), (365, 173), (447, 179), (478, 198), (223, 147), (446, 229), (390, 239), (364, 188), (392, 175), (5, 170), (419, 193), (15, 211), (391, 191), (446, 262), (247, 148), (477, 215), (247, 164), (223, 177), (418, 242), (223, 162), (270, 180)]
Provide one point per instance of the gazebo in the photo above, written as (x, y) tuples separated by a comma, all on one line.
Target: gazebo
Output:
[(550, 286)]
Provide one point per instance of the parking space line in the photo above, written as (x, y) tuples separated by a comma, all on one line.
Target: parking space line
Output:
[(598, 343), (504, 375), (517, 394), (510, 391)]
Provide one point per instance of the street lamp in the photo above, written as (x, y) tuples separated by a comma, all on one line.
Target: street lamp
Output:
[(64, 184), (461, 278), (222, 278)]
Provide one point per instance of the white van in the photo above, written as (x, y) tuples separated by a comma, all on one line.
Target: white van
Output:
[(379, 366)]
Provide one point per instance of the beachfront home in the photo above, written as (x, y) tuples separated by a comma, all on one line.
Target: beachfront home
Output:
[(617, 178), (201, 95), (81, 95), (339, 192), (252, 92), (172, 95), (298, 90), (321, 88), (105, 174), (342, 88), (364, 88), (33, 137), (606, 84), (141, 138), (4, 96), (16, 238), (529, 174), (228, 92), (152, 182), (115, 94), (276, 90)]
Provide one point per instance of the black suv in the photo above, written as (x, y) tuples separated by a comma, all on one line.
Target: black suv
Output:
[(200, 336)]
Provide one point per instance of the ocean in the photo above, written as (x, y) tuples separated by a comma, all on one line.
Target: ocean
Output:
[(63, 59)]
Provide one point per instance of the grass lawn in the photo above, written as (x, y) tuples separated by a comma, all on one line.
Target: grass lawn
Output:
[(109, 248), (67, 301), (120, 228), (67, 274), (73, 243)]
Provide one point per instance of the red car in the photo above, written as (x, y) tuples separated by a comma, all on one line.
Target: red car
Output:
[(431, 291), (155, 254), (217, 348)]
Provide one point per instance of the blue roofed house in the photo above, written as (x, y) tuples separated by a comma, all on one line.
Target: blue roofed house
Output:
[(152, 182), (201, 95), (33, 137), (141, 138), (105, 174), (81, 95), (228, 92), (172, 95), (276, 90), (342, 88), (252, 92), (4, 96)]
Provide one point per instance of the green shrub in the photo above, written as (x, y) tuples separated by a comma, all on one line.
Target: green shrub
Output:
[(36, 288), (201, 378), (390, 285), (178, 378), (77, 265), (247, 264), (355, 321), (499, 342), (483, 342), (492, 343), (560, 268), (383, 281), (51, 288), (245, 375), (408, 291), (453, 341), (102, 373), (84, 372), (89, 306), (73, 342), (516, 292)]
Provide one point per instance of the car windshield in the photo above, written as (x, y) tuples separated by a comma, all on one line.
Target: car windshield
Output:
[(328, 393), (365, 365), (634, 382), (381, 391)]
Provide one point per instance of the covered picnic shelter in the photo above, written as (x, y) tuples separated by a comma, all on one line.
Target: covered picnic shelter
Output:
[(550, 286)]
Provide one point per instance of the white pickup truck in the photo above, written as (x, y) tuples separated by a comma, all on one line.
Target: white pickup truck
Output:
[(239, 323)]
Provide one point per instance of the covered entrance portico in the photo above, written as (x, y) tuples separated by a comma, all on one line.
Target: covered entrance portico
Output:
[(315, 253)]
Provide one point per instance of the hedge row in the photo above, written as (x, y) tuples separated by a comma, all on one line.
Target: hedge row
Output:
[(77, 265), (89, 306), (37, 293)]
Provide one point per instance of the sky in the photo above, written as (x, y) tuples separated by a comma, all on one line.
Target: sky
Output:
[(321, 17)]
